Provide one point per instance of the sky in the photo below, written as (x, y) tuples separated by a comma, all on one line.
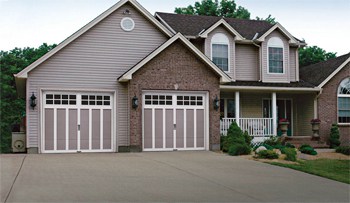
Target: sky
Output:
[(29, 23)]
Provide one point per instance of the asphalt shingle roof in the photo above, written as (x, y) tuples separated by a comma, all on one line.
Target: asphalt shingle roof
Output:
[(192, 25), (317, 73)]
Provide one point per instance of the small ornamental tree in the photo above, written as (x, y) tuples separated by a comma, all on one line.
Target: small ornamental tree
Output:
[(334, 136), (236, 142)]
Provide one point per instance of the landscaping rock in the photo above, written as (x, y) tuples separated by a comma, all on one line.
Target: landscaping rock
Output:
[(261, 148)]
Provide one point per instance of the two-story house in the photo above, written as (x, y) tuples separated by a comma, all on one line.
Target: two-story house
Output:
[(129, 80)]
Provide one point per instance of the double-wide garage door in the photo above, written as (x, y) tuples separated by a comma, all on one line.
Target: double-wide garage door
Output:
[(77, 122), (174, 121)]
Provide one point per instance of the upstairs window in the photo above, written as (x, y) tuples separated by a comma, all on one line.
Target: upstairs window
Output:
[(344, 101), (220, 51), (275, 55)]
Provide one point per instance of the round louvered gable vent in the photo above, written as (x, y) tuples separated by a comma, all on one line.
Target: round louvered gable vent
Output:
[(127, 24)]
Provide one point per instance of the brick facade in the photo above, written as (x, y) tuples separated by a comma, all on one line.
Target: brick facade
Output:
[(328, 107), (175, 65)]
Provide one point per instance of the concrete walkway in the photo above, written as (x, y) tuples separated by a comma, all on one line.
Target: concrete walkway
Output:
[(158, 177)]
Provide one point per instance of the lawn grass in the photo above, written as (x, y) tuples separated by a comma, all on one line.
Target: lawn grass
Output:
[(338, 170)]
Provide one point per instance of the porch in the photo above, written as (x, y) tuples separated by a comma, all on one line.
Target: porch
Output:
[(258, 113)]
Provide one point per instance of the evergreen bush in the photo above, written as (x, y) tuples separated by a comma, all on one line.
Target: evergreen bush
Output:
[(235, 137), (344, 150), (334, 136), (267, 154), (291, 154)]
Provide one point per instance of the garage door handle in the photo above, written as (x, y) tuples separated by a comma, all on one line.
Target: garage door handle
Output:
[(78, 127), (174, 126)]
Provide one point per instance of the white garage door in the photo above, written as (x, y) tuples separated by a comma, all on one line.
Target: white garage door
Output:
[(174, 121), (77, 122)]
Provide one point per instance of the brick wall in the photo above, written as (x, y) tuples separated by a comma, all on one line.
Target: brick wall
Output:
[(175, 65), (328, 107)]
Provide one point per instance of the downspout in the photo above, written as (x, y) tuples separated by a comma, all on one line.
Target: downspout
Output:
[(260, 55)]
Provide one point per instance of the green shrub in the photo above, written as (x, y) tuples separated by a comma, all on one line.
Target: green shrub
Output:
[(304, 145), (273, 140), (267, 154), (334, 136), (291, 154), (307, 149), (248, 139), (239, 149), (289, 145), (235, 136), (344, 150)]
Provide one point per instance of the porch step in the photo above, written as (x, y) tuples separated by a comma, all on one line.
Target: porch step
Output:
[(297, 141)]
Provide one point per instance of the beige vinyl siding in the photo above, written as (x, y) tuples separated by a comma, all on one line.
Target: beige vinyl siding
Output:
[(267, 77), (232, 48), (292, 64), (247, 62), (251, 104), (95, 60)]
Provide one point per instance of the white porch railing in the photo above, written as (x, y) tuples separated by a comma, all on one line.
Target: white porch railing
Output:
[(259, 128)]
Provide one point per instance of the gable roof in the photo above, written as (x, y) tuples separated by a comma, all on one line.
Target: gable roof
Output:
[(278, 26), (320, 73), (217, 24), (193, 25), (142, 10), (128, 75)]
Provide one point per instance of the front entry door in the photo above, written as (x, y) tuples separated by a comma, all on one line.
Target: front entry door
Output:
[(284, 110)]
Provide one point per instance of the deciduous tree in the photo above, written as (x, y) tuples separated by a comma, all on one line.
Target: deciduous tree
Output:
[(12, 108), (314, 54)]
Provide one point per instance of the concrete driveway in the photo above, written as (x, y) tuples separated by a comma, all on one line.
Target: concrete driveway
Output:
[(158, 177)]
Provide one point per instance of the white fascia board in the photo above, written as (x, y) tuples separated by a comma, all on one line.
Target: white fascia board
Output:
[(217, 24), (289, 89), (24, 72), (292, 40), (128, 75), (334, 73)]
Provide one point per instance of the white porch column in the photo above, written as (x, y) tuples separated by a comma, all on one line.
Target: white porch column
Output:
[(237, 110), (274, 113)]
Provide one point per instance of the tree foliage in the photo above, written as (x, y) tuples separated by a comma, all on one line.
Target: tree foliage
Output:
[(226, 8), (313, 54), (12, 108)]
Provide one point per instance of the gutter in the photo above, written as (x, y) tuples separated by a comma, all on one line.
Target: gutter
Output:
[(289, 89), (260, 55)]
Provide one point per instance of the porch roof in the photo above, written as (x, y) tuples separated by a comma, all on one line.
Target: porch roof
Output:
[(256, 85)]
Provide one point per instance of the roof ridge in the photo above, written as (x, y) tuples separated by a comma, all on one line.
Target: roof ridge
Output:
[(345, 56)]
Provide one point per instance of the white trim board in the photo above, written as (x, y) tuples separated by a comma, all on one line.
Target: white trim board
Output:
[(226, 25), (128, 75), (142, 10)]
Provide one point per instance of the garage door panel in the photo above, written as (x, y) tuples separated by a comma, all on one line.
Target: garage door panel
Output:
[(61, 129), (107, 129), (73, 129), (180, 128), (84, 129), (169, 123), (96, 128), (49, 129), (200, 128), (147, 128), (158, 128), (190, 128)]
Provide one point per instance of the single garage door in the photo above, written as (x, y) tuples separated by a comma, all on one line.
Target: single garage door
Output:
[(77, 122), (174, 121)]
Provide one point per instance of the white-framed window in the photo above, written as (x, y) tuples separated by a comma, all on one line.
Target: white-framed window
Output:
[(220, 51), (344, 102), (127, 24), (275, 50)]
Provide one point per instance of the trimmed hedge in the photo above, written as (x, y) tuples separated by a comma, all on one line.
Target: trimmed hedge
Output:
[(344, 150), (239, 149)]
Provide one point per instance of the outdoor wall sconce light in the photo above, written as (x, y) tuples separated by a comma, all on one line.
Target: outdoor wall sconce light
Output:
[(126, 12), (216, 103), (33, 101), (135, 102)]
